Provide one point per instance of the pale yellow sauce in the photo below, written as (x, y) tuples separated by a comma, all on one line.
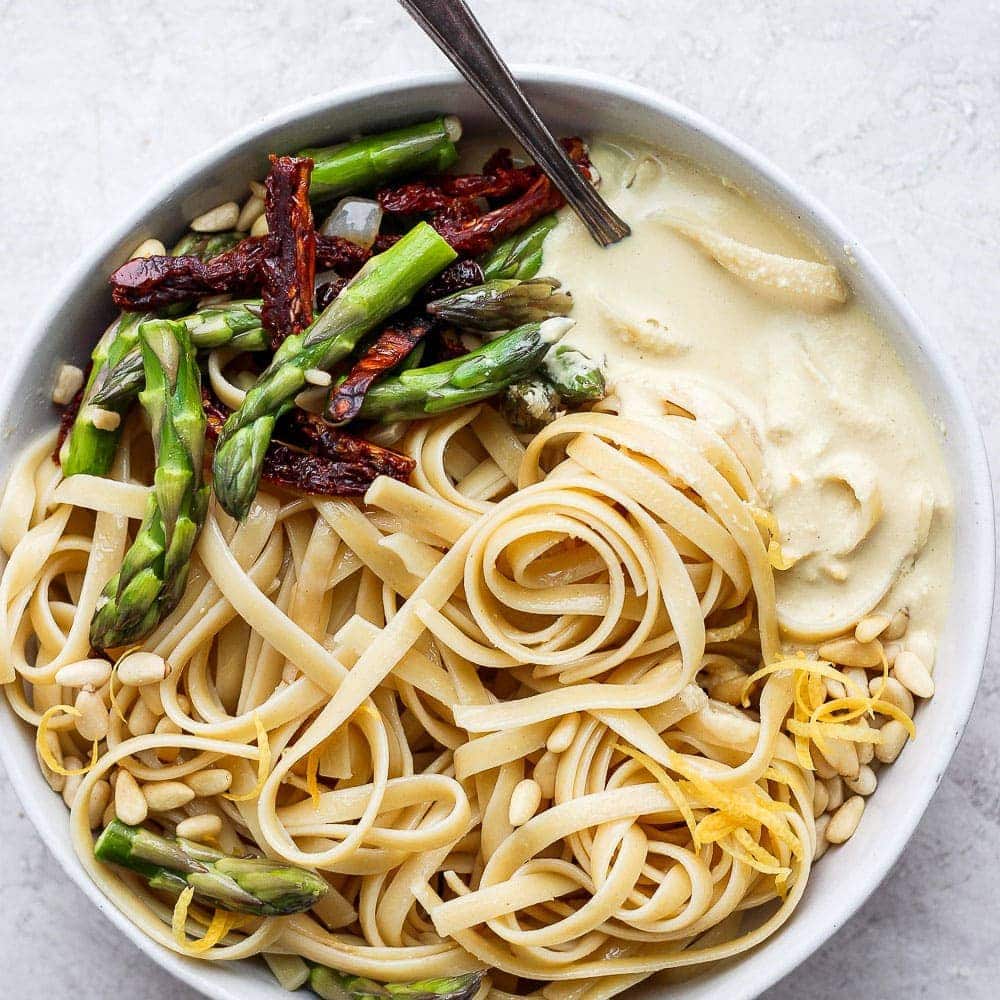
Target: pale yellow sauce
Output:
[(853, 466)]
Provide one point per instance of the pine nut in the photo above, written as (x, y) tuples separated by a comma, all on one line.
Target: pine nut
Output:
[(864, 783), (824, 768), (215, 220), (69, 381), (845, 820), (208, 783), (259, 228), (141, 721), (858, 678), (84, 673), (852, 653), (894, 736), (821, 842), (898, 625), (835, 689), (200, 828), (167, 727), (545, 774), (866, 751), (891, 650), (835, 794), (250, 213), (842, 757), (72, 785), (316, 376), (162, 796), (561, 738), (149, 248), (524, 802), (894, 693), (150, 696), (94, 719), (103, 420), (871, 628), (923, 646), (910, 671), (130, 804), (100, 796), (141, 668), (821, 798), (109, 814), (258, 189)]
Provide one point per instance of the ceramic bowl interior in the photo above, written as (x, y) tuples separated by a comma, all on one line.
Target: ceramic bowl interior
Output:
[(573, 103)]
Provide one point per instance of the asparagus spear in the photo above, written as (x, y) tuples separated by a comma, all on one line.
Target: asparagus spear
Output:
[(332, 985), (155, 568), (365, 163), (503, 303), (236, 324), (484, 372), (577, 378), (385, 284), (520, 255), (259, 886), (91, 449), (531, 404)]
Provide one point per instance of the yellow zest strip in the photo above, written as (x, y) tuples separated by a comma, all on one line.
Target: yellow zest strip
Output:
[(775, 556), (312, 775), (263, 763), (222, 923), (111, 682), (45, 751), (669, 786), (819, 732)]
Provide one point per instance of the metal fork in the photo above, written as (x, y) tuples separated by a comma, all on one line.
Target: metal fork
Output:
[(459, 35)]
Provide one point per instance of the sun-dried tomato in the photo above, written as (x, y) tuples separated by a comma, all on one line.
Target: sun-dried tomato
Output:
[(393, 344), (316, 459), (328, 291), (288, 269), (456, 276)]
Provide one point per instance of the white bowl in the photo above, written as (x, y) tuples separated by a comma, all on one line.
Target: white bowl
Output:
[(572, 102)]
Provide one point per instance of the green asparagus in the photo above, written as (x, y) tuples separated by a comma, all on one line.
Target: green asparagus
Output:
[(155, 568), (385, 284), (484, 372), (205, 245), (531, 404), (232, 324), (259, 886), (332, 985), (576, 378), (520, 255), (503, 303), (365, 163)]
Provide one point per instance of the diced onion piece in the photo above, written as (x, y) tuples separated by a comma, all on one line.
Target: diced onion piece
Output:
[(354, 219)]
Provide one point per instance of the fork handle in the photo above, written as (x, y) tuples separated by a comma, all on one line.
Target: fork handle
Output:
[(459, 35)]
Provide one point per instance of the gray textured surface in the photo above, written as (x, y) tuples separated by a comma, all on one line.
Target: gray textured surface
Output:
[(890, 112)]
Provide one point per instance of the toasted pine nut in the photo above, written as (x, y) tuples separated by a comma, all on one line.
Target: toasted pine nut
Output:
[(200, 828), (852, 653), (149, 248), (150, 696), (100, 796), (130, 804), (251, 211), (864, 783), (141, 721), (103, 420), (843, 757), (822, 843), (211, 782), (316, 376), (893, 692), (561, 738), (162, 796), (524, 801), (258, 189), (215, 220), (84, 673), (898, 625), (922, 645), (824, 768), (108, 815), (835, 689), (845, 820), (835, 794), (69, 381), (545, 774), (259, 228), (891, 650), (821, 798), (72, 785), (910, 671), (871, 628), (141, 668), (94, 719), (167, 726), (866, 751), (894, 736)]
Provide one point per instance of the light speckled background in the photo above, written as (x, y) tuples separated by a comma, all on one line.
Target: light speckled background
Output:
[(889, 111)]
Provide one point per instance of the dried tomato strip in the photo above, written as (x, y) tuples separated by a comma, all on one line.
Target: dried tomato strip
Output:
[(331, 463), (288, 269), (393, 344)]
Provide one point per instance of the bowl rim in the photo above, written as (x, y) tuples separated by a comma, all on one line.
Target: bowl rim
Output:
[(977, 484)]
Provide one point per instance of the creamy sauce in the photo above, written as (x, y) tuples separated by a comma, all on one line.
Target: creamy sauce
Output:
[(852, 462)]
